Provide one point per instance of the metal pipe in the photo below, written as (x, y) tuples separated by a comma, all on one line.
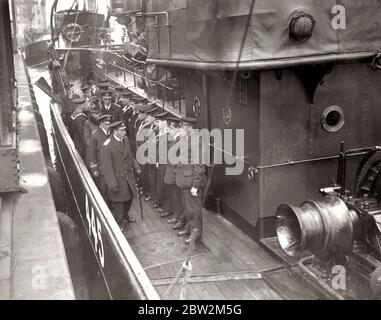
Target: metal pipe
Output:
[(283, 164), (267, 64)]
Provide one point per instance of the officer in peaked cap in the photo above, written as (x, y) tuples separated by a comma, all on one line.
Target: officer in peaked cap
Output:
[(174, 203), (191, 180), (153, 166), (161, 192), (110, 108), (70, 91), (86, 92), (118, 165), (104, 86), (118, 96), (142, 131), (95, 90), (91, 125), (97, 139)]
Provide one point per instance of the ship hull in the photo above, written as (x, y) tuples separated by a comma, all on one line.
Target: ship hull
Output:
[(114, 271)]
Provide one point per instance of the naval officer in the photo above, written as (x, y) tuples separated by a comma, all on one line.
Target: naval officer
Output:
[(118, 165)]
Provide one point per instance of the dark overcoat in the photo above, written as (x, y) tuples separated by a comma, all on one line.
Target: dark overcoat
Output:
[(97, 139), (118, 166)]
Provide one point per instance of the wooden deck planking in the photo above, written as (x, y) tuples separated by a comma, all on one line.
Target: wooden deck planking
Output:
[(260, 290), (229, 251), (289, 286), (246, 250), (190, 293)]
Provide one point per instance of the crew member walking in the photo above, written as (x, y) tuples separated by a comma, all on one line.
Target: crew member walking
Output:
[(118, 165)]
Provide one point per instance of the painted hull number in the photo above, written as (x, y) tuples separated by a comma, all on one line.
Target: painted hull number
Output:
[(94, 229)]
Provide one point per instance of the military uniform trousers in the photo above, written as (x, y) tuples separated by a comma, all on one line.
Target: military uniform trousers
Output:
[(120, 210), (192, 210), (174, 203), (152, 179), (102, 186), (161, 190)]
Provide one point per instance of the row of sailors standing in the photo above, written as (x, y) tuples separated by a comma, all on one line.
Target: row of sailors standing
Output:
[(105, 128)]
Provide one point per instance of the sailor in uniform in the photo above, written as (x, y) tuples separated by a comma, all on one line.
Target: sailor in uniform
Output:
[(86, 92), (68, 105), (95, 91), (143, 133), (91, 125), (174, 203), (78, 119), (118, 96), (70, 92), (111, 108), (118, 165), (128, 108), (162, 192), (97, 139), (191, 179), (152, 166)]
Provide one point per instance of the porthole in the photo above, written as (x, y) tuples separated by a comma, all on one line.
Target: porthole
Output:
[(333, 119)]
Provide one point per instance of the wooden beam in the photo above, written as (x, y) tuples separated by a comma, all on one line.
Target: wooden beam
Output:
[(217, 277)]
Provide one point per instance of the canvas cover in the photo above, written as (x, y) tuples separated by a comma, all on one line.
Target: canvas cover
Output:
[(211, 31)]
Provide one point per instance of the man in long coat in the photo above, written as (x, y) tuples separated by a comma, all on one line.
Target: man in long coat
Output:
[(118, 165)]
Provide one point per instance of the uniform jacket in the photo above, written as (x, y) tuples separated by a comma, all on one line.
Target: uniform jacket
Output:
[(170, 170), (78, 119), (133, 132), (118, 167), (115, 111), (191, 175), (97, 139), (89, 128)]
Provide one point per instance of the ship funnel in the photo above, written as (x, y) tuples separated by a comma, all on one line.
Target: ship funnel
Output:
[(316, 227)]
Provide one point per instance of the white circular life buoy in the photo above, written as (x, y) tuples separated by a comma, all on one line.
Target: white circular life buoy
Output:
[(72, 32)]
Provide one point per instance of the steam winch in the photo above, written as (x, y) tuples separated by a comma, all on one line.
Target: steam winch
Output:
[(342, 228)]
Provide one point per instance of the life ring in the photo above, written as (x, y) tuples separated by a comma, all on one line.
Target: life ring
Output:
[(70, 32)]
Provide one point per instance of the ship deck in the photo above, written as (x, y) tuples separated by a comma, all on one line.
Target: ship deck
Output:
[(228, 265)]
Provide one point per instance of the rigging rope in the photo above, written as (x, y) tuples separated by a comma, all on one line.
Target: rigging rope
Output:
[(184, 273)]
